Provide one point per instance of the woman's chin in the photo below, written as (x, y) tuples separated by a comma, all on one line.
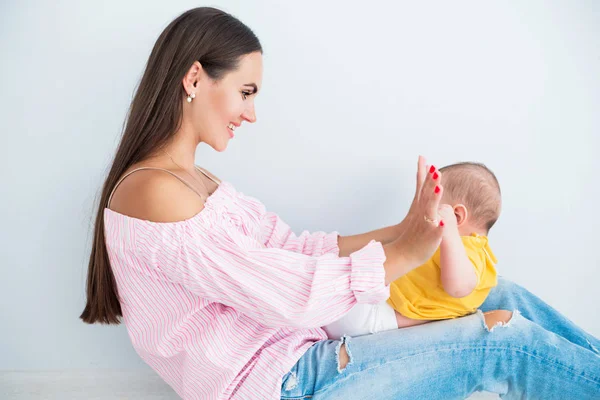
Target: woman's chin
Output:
[(221, 147)]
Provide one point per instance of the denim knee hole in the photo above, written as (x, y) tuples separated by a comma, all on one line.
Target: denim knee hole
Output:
[(495, 318), (344, 341)]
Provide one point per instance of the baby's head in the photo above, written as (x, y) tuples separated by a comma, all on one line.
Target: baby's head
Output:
[(474, 193)]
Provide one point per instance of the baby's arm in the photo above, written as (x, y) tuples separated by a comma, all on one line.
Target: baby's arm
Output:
[(457, 273)]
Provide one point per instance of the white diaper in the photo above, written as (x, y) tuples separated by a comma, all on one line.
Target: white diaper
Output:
[(363, 319)]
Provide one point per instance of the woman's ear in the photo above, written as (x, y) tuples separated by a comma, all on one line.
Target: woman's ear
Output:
[(191, 78), (461, 213)]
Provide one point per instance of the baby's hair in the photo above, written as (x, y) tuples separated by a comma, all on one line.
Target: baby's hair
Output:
[(474, 185)]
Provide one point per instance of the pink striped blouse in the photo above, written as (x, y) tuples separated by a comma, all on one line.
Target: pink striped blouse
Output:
[(223, 304)]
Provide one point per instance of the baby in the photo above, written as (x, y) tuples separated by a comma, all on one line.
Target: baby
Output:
[(459, 276)]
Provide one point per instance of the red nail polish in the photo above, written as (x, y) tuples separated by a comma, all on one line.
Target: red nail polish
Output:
[(435, 175), (441, 223), (431, 169), (437, 189)]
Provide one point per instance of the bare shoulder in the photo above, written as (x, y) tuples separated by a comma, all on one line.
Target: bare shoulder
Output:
[(155, 196)]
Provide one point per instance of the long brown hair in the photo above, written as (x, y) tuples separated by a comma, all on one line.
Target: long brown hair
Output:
[(208, 35)]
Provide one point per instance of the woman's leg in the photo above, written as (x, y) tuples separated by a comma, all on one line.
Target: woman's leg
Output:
[(510, 296), (448, 360)]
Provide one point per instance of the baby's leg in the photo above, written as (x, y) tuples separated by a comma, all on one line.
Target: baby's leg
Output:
[(405, 322)]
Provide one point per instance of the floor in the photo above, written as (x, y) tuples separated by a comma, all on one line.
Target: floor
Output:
[(96, 385)]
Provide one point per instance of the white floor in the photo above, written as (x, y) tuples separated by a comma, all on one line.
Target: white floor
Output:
[(95, 385)]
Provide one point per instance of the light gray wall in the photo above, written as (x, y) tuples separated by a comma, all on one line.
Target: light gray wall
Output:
[(352, 94)]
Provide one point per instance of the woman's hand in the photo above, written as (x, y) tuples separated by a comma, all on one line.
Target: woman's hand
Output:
[(422, 228)]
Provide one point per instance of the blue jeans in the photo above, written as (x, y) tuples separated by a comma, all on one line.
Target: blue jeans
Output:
[(538, 354)]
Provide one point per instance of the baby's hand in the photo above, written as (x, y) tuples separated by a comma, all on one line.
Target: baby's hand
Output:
[(446, 214)]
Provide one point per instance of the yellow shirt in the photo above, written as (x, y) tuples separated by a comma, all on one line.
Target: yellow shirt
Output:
[(420, 294)]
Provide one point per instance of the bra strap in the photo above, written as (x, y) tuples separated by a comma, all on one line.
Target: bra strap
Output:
[(208, 175), (159, 169)]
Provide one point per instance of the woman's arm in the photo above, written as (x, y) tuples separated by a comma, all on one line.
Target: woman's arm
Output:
[(219, 262), (280, 288), (350, 244), (276, 233)]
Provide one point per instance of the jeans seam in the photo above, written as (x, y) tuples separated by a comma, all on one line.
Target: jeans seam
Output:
[(486, 348)]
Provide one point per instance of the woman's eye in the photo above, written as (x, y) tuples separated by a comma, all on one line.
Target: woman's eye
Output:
[(245, 95)]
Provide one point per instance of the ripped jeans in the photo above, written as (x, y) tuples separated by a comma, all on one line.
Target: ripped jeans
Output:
[(538, 354)]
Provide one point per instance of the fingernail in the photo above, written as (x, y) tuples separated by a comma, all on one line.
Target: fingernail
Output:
[(431, 169), (435, 175), (437, 189), (441, 223)]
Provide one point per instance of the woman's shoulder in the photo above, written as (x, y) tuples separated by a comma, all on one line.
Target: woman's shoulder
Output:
[(154, 195)]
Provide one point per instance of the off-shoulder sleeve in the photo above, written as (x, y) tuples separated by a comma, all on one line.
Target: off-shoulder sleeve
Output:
[(274, 285), (276, 233)]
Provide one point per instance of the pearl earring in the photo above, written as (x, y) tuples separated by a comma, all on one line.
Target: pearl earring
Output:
[(190, 97)]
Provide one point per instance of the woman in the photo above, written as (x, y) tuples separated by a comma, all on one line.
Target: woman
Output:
[(224, 301)]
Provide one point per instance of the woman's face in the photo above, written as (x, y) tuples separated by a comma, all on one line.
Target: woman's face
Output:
[(219, 108)]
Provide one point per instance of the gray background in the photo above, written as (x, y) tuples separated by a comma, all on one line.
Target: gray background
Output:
[(352, 94)]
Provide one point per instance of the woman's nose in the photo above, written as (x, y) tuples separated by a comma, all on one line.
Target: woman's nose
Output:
[(250, 114)]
